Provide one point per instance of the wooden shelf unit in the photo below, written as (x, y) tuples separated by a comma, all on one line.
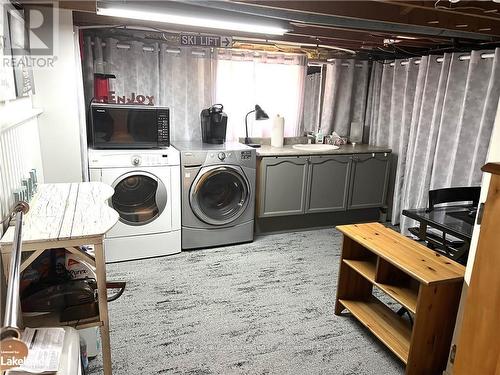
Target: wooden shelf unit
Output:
[(424, 282)]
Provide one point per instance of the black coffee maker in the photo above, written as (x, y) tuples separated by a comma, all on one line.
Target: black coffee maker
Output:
[(213, 124)]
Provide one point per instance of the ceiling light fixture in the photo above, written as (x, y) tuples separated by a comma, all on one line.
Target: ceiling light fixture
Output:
[(185, 17)]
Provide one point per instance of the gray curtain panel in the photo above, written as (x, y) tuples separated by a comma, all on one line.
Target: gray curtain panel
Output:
[(135, 66), (187, 79), (181, 79), (388, 118), (344, 98), (439, 124), (312, 88)]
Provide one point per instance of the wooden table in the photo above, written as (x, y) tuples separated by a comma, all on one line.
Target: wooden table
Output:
[(425, 283), (442, 219), (69, 216)]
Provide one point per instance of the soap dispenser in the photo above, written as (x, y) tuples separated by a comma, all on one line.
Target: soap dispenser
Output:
[(319, 137)]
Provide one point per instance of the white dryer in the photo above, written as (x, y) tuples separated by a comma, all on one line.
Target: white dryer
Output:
[(147, 198)]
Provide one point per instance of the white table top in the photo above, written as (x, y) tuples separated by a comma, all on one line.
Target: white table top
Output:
[(66, 212)]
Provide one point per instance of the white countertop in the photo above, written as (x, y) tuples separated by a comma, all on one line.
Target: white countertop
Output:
[(288, 150)]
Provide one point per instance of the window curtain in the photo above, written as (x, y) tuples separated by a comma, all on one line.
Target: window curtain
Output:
[(180, 79), (275, 81), (444, 141), (344, 98), (312, 94)]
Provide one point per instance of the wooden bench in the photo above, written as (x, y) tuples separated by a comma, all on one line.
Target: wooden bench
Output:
[(425, 283)]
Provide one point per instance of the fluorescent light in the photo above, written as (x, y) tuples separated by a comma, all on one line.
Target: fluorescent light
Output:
[(210, 23), (406, 37)]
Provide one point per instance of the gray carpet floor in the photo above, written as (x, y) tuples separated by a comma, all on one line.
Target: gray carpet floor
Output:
[(259, 308)]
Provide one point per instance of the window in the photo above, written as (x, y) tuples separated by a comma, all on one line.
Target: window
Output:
[(275, 82)]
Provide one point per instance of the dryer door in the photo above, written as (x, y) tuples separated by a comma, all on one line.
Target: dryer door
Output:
[(139, 198), (219, 194)]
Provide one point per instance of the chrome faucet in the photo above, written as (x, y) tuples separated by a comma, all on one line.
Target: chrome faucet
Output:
[(310, 136)]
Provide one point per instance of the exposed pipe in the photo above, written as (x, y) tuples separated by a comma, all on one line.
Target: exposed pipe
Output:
[(10, 326)]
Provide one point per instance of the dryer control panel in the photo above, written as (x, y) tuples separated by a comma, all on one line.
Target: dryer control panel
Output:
[(133, 158), (240, 157)]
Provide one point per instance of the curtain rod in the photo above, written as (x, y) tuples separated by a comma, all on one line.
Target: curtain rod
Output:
[(152, 49), (320, 63), (440, 59)]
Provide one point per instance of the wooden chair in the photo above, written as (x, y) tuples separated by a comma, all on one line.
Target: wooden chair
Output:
[(436, 239)]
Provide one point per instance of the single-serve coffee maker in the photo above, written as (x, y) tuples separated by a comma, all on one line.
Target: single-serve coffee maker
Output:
[(213, 124)]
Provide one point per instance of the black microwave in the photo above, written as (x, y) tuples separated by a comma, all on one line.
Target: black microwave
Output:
[(115, 126)]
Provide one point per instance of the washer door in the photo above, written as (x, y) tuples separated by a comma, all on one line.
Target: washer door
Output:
[(139, 198), (219, 194)]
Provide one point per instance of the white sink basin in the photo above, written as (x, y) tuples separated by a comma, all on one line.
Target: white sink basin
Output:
[(315, 147)]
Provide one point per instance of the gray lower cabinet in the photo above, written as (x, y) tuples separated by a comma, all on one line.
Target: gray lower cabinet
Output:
[(328, 183), (369, 180), (282, 186), (324, 183)]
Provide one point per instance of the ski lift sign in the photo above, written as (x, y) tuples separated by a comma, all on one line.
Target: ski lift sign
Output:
[(190, 40)]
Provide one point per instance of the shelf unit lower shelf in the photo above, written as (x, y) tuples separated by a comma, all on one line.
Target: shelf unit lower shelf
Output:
[(388, 327), (404, 295)]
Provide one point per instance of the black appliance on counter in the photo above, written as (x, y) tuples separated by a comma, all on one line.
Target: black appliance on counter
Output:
[(213, 124), (122, 126)]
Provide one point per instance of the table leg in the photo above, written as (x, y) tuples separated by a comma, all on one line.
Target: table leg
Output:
[(422, 231), (103, 307), (462, 254)]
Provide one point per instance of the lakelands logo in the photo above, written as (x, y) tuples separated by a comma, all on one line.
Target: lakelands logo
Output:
[(13, 353), (9, 362)]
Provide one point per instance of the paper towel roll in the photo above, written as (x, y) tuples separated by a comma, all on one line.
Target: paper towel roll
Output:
[(278, 130)]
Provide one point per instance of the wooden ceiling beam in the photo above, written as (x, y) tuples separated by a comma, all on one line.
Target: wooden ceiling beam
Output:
[(81, 6), (482, 9), (363, 37), (390, 12)]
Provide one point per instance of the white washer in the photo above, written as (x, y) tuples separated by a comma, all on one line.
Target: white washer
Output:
[(147, 198)]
